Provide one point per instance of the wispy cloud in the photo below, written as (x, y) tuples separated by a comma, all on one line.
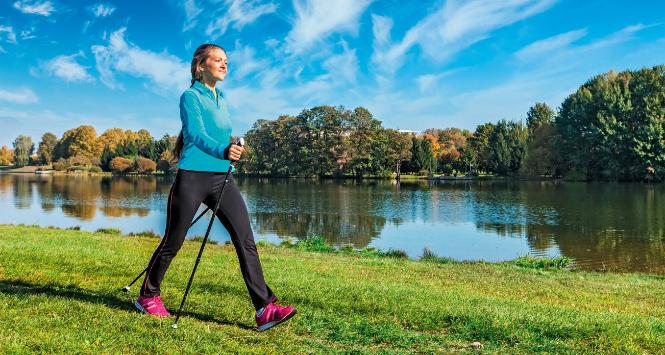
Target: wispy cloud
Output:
[(550, 44), (561, 48), (43, 8), (427, 82), (344, 66), (244, 61), (10, 34), (315, 20), (192, 11), (166, 72), (19, 95), (239, 14), (28, 34), (102, 10), (455, 26), (67, 68)]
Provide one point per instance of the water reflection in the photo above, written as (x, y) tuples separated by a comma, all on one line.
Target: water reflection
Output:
[(603, 226)]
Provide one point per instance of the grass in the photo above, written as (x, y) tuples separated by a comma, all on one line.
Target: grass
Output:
[(59, 292)]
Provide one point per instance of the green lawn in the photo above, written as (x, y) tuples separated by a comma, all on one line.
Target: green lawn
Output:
[(59, 292)]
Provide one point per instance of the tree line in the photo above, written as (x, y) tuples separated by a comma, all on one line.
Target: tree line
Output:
[(611, 128), (80, 148)]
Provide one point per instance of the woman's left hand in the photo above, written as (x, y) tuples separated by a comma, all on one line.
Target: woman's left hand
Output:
[(235, 151)]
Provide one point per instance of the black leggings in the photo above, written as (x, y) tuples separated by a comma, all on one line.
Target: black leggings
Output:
[(188, 191)]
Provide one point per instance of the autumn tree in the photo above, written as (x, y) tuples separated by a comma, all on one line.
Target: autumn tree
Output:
[(47, 147), (6, 156), (81, 140)]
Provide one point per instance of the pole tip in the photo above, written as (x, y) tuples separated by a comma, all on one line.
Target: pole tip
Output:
[(125, 289)]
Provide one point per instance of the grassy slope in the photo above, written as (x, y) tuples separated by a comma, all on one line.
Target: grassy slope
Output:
[(59, 292)]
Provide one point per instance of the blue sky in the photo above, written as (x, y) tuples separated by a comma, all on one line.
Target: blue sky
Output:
[(413, 64)]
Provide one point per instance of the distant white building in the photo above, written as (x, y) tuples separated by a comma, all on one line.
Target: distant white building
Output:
[(406, 131)]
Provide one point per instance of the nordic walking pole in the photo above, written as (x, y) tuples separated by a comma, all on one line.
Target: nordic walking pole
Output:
[(240, 142), (126, 288)]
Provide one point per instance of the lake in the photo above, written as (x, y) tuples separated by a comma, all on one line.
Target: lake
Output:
[(603, 226)]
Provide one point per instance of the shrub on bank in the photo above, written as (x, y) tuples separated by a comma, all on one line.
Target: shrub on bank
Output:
[(120, 164), (145, 166)]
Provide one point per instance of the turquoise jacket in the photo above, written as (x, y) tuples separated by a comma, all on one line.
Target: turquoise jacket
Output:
[(206, 130)]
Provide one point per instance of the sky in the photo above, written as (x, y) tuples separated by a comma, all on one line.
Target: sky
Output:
[(414, 64)]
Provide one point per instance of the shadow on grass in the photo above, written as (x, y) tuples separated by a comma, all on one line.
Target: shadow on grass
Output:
[(20, 288)]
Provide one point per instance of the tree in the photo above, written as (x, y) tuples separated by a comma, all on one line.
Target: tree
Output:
[(479, 143), (46, 148), (6, 156), (81, 140), (539, 114), (365, 143), (541, 158), (111, 138), (499, 157), (23, 149), (453, 141), (612, 127), (399, 149)]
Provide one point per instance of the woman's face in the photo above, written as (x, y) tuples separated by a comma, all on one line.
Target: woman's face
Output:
[(214, 67)]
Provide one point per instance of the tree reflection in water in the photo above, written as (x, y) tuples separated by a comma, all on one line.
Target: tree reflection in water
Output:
[(602, 225)]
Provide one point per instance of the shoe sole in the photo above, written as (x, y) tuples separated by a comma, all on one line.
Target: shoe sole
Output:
[(276, 322), (144, 311)]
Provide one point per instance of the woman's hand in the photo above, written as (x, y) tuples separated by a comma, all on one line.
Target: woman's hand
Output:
[(235, 151)]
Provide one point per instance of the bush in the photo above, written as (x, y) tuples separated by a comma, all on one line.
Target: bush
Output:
[(96, 169), (76, 168), (558, 263), (60, 165), (120, 164), (144, 165), (79, 160), (114, 231), (164, 166), (199, 238), (314, 243), (145, 234)]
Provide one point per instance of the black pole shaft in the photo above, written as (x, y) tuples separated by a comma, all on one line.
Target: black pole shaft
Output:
[(205, 239)]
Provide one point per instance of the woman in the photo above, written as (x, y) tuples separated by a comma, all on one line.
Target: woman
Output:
[(204, 157)]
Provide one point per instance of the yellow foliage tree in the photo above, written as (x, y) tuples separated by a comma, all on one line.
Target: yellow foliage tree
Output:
[(6, 156), (112, 137)]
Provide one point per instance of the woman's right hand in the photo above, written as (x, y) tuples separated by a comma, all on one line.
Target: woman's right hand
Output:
[(235, 151)]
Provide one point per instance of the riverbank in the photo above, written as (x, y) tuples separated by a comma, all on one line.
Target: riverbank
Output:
[(59, 292)]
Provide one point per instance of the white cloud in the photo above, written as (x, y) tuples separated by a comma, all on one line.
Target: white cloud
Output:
[(102, 10), (44, 8), (192, 11), (66, 68), (426, 82), (239, 13), (11, 35), (315, 20), (243, 62), (28, 34), (165, 71), (550, 44), (343, 66), (455, 26), (19, 96)]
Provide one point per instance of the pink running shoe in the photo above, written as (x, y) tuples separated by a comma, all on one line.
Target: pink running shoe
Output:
[(272, 315), (152, 306)]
